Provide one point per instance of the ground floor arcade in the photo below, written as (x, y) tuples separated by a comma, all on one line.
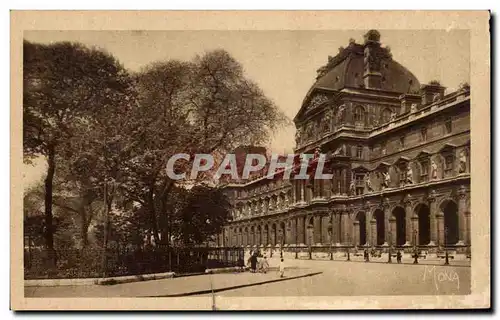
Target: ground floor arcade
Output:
[(433, 218)]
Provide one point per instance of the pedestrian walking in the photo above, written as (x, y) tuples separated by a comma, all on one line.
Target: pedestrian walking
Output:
[(399, 256), (265, 265), (253, 263), (282, 268)]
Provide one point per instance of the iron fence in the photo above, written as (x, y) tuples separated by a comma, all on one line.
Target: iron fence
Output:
[(89, 262)]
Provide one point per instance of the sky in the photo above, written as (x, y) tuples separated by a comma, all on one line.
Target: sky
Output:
[(282, 63)]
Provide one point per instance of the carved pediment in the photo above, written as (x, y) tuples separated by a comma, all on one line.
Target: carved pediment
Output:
[(360, 169), (423, 155), (447, 148), (316, 101), (382, 166), (401, 161)]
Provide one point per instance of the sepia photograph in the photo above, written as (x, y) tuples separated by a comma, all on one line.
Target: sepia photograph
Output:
[(220, 168)]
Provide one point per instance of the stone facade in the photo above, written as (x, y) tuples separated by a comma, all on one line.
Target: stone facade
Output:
[(400, 160)]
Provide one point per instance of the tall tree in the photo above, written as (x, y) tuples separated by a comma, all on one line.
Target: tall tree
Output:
[(203, 106), (68, 88)]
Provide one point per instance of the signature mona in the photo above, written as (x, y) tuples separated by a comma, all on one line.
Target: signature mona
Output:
[(441, 275)]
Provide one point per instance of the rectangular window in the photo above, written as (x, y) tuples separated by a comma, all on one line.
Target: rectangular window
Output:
[(359, 184), (448, 163), (423, 134), (359, 152), (402, 141), (424, 170), (402, 175)]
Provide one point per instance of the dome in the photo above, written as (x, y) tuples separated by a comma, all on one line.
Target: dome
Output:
[(351, 65)]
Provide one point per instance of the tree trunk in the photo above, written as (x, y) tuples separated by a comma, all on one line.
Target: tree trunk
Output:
[(152, 212), (84, 225), (49, 229), (107, 208)]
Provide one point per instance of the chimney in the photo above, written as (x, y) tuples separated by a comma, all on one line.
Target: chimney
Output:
[(431, 92), (408, 100), (372, 76)]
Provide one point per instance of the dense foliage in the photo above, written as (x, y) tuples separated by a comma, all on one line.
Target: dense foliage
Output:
[(107, 135)]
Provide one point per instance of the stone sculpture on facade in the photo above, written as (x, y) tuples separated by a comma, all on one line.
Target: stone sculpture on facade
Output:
[(352, 188), (409, 175), (298, 134), (413, 108), (436, 97), (387, 179), (325, 127), (368, 183), (463, 162), (317, 100), (393, 115), (434, 170), (341, 114)]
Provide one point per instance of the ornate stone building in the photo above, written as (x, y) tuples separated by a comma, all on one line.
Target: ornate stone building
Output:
[(399, 152)]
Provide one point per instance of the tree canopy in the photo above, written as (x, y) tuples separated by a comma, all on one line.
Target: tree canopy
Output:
[(107, 135)]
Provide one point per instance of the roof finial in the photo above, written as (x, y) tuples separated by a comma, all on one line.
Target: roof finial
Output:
[(372, 36)]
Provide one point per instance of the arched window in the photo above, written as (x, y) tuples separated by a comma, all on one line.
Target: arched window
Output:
[(386, 115), (359, 114)]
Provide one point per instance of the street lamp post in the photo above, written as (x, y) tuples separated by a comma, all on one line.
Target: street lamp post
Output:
[(309, 228), (282, 243), (348, 247), (389, 260), (446, 261), (330, 232), (415, 251)]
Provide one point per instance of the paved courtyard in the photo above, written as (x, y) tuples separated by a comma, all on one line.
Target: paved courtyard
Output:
[(358, 279), (316, 278)]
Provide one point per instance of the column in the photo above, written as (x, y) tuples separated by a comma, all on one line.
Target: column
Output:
[(468, 227), (409, 229), (293, 233), (373, 224), (327, 188), (462, 208), (325, 219), (414, 222), (394, 232), (356, 233), (302, 191), (346, 230), (368, 227), (387, 226), (308, 191), (432, 216), (265, 236), (300, 230), (273, 235), (440, 228), (337, 226), (288, 232), (258, 239), (317, 229)]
